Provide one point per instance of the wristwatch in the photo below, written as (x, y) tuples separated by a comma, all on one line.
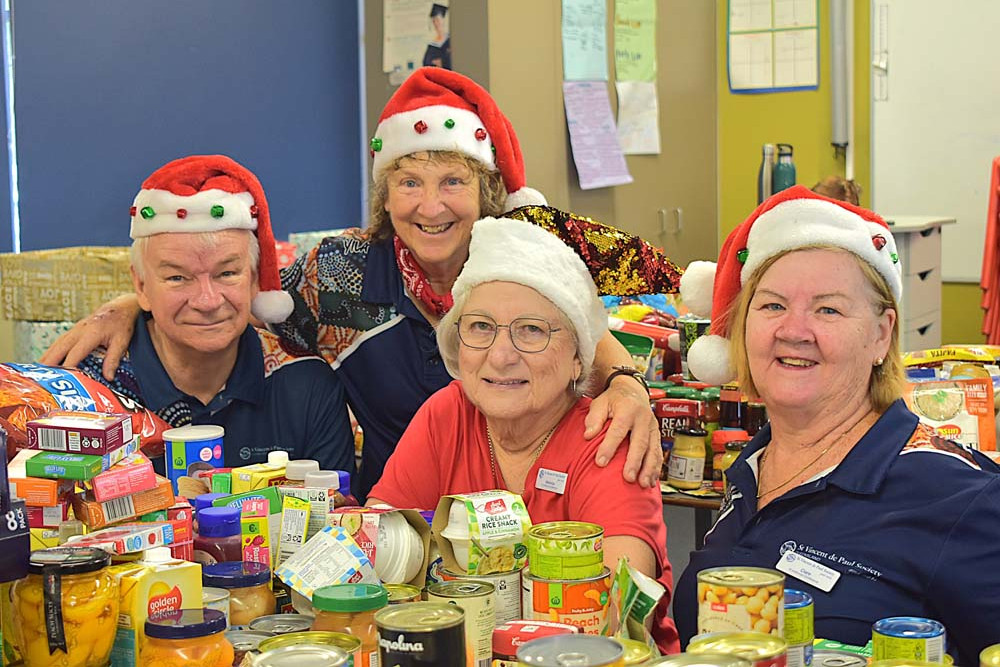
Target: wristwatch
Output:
[(631, 371)]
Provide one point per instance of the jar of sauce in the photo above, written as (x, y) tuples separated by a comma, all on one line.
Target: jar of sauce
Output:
[(733, 450), (756, 417), (187, 637), (732, 405), (350, 608), (218, 538), (686, 469), (66, 609), (724, 455), (250, 596)]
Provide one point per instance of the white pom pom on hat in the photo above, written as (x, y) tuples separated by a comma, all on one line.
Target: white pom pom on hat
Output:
[(793, 218)]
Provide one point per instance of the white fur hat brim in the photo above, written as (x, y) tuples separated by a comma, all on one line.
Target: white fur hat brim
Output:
[(505, 250)]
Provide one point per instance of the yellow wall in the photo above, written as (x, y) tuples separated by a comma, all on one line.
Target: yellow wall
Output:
[(961, 316)]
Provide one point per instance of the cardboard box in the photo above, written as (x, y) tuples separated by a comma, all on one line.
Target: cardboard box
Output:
[(131, 475), (44, 538), (128, 538), (257, 476), (38, 491), (497, 524), (273, 498), (96, 433), (363, 524), (62, 285), (49, 517), (98, 515), (80, 467)]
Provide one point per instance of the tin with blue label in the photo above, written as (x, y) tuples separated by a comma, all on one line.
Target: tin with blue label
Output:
[(908, 637), (799, 632)]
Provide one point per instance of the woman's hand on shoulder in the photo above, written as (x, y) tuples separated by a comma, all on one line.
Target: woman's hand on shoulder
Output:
[(626, 404), (110, 327)]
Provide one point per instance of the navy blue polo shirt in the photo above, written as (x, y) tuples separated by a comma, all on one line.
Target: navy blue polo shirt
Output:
[(272, 401), (909, 521)]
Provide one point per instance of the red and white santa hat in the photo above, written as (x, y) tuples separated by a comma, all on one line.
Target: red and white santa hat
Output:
[(210, 193), (439, 110), (794, 218)]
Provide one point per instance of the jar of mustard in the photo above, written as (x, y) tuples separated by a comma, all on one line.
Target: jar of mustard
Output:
[(686, 467), (185, 638), (250, 596), (66, 609)]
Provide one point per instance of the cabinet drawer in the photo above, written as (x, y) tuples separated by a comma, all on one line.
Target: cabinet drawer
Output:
[(921, 293), (919, 251), (921, 333)]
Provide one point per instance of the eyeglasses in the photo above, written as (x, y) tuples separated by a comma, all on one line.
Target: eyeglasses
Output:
[(528, 334)]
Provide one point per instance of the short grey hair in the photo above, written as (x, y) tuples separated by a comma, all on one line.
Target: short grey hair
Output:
[(137, 253), (448, 343)]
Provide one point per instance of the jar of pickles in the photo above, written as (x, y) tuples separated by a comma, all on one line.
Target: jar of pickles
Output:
[(187, 637), (247, 583), (66, 609), (350, 608)]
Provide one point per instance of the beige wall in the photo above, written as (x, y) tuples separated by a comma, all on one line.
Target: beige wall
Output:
[(6, 340)]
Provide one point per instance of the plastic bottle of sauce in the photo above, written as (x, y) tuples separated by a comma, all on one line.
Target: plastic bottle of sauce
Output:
[(295, 471), (686, 469), (351, 608), (218, 538)]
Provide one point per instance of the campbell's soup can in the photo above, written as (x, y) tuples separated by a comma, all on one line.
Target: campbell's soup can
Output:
[(701, 660), (799, 631), (509, 636), (506, 584), (908, 637), (575, 650), (583, 602), (834, 658), (478, 600), (762, 650), (741, 599), (421, 634), (990, 656)]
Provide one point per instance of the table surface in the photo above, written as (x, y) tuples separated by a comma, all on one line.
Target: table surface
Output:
[(684, 500)]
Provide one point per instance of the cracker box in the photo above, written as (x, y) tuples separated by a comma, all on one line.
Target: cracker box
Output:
[(130, 475), (80, 467), (483, 532), (96, 514), (365, 524), (127, 538), (38, 491), (97, 433), (62, 285)]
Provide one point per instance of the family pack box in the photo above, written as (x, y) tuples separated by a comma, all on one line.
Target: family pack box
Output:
[(61, 285)]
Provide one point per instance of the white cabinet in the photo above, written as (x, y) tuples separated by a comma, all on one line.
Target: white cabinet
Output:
[(918, 241)]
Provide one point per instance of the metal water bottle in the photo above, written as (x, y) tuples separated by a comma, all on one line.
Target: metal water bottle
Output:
[(784, 172), (765, 174)]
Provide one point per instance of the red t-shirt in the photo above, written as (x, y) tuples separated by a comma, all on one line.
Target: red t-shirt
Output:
[(444, 451)]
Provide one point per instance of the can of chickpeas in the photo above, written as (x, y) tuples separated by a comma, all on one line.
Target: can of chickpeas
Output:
[(741, 599)]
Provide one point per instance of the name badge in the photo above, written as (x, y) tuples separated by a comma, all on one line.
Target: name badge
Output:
[(808, 570), (551, 480)]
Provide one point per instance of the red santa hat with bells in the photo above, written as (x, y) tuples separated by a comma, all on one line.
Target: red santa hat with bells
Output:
[(794, 218), (439, 110), (210, 193)]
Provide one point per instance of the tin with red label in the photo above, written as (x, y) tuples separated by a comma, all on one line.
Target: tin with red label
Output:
[(509, 636), (760, 649)]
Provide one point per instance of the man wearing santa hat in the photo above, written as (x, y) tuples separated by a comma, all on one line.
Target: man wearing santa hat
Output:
[(203, 259)]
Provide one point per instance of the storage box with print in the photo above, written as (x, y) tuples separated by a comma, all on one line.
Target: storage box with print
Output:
[(64, 284)]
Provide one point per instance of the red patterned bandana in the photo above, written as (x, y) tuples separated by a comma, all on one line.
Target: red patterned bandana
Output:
[(416, 281)]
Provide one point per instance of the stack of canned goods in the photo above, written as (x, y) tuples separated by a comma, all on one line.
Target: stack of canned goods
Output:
[(566, 580)]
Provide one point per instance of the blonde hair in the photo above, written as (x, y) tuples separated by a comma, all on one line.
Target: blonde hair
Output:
[(137, 253), (448, 342), (885, 385), (492, 193)]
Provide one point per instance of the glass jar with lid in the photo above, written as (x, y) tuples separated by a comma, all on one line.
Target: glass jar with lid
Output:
[(66, 609), (218, 538), (351, 608), (733, 449), (250, 596), (187, 637), (686, 468), (726, 445)]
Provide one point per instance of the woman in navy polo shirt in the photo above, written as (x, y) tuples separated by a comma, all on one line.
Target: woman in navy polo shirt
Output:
[(859, 504)]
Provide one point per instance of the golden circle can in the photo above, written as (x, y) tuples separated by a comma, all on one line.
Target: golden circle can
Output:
[(422, 634), (566, 549), (741, 599), (478, 600), (909, 638), (762, 650), (579, 602), (506, 584), (572, 651)]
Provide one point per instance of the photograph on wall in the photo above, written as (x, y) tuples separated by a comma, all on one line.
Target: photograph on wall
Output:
[(417, 34)]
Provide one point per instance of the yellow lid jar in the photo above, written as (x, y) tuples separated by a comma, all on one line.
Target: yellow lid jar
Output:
[(686, 466)]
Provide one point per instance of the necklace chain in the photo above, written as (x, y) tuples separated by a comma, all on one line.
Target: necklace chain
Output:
[(808, 465), (534, 455)]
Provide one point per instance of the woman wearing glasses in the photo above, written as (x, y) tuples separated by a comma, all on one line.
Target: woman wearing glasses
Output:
[(521, 338)]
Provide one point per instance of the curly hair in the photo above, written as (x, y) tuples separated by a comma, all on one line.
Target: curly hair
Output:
[(492, 193)]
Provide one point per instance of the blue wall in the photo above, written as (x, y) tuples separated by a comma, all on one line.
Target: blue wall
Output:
[(108, 90)]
